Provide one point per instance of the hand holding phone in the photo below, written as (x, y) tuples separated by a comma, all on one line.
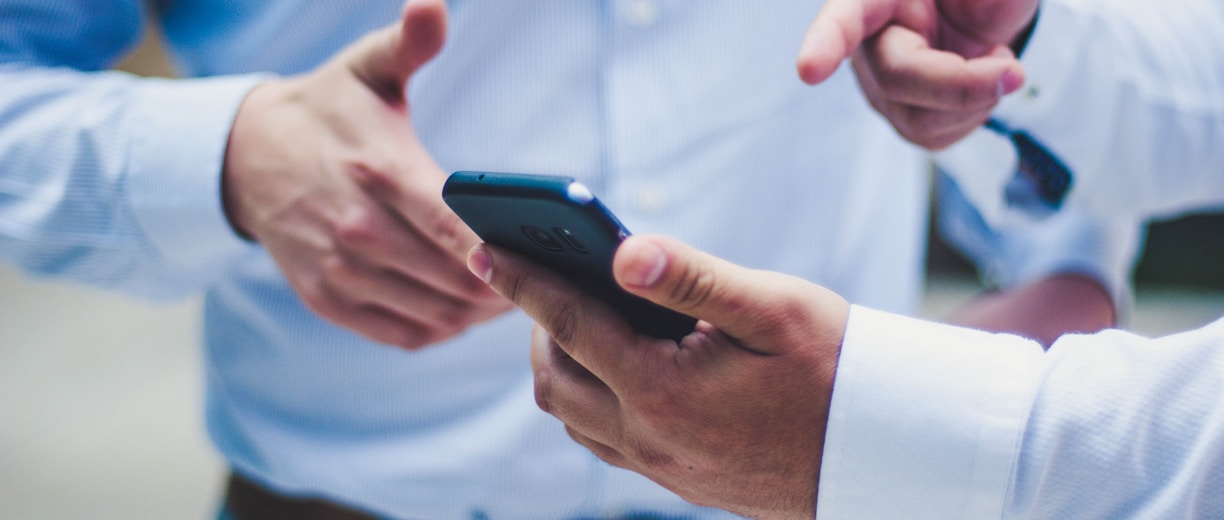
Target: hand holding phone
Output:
[(558, 222)]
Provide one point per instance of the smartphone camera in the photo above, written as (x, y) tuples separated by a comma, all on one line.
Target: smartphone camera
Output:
[(542, 238), (571, 239)]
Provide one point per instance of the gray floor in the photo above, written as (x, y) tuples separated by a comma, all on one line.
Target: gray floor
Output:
[(100, 398), (100, 407)]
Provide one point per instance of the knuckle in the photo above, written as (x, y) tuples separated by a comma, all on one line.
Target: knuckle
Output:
[(336, 272), (559, 316), (544, 388), (358, 226), (694, 288), (654, 407), (446, 320), (926, 121), (373, 175), (319, 300), (408, 337), (604, 452), (564, 324), (512, 284), (881, 106), (449, 231), (790, 317), (914, 125), (966, 95), (314, 292), (788, 312), (890, 77), (430, 335), (974, 93), (649, 456), (455, 317), (438, 332)]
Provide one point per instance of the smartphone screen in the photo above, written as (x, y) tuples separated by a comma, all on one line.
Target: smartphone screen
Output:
[(559, 223)]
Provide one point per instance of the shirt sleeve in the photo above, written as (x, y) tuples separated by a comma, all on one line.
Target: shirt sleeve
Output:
[(106, 178), (1123, 426), (1019, 250), (925, 420), (935, 421)]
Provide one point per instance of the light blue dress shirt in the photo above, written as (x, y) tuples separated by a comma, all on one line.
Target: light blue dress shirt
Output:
[(685, 117)]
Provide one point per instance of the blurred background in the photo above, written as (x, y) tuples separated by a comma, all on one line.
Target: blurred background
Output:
[(101, 396)]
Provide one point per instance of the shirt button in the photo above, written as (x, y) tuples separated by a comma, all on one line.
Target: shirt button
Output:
[(1032, 92), (650, 200), (642, 13)]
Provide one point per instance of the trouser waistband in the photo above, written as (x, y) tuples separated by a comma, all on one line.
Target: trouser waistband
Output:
[(248, 500)]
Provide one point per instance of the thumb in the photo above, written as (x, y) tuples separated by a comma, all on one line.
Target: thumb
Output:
[(387, 58), (752, 306), (839, 29)]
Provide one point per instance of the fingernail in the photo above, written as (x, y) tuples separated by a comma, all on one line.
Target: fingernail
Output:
[(481, 264), (645, 265), (1010, 81)]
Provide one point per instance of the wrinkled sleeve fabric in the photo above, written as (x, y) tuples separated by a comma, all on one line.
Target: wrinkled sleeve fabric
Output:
[(106, 178), (935, 421), (1125, 427)]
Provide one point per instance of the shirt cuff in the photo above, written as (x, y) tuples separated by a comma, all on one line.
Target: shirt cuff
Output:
[(925, 421), (180, 130)]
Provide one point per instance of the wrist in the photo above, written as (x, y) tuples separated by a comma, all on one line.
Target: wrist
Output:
[(241, 160)]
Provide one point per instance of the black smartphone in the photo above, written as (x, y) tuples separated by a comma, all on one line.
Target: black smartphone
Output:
[(558, 222)]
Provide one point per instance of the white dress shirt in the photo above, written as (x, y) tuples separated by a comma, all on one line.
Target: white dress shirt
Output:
[(1129, 94), (939, 422)]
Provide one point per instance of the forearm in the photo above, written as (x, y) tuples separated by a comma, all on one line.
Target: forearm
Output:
[(1043, 310)]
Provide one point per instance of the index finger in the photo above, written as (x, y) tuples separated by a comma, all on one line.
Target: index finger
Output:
[(413, 193), (839, 28)]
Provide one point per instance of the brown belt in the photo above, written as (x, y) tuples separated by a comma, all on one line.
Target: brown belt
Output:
[(246, 500)]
